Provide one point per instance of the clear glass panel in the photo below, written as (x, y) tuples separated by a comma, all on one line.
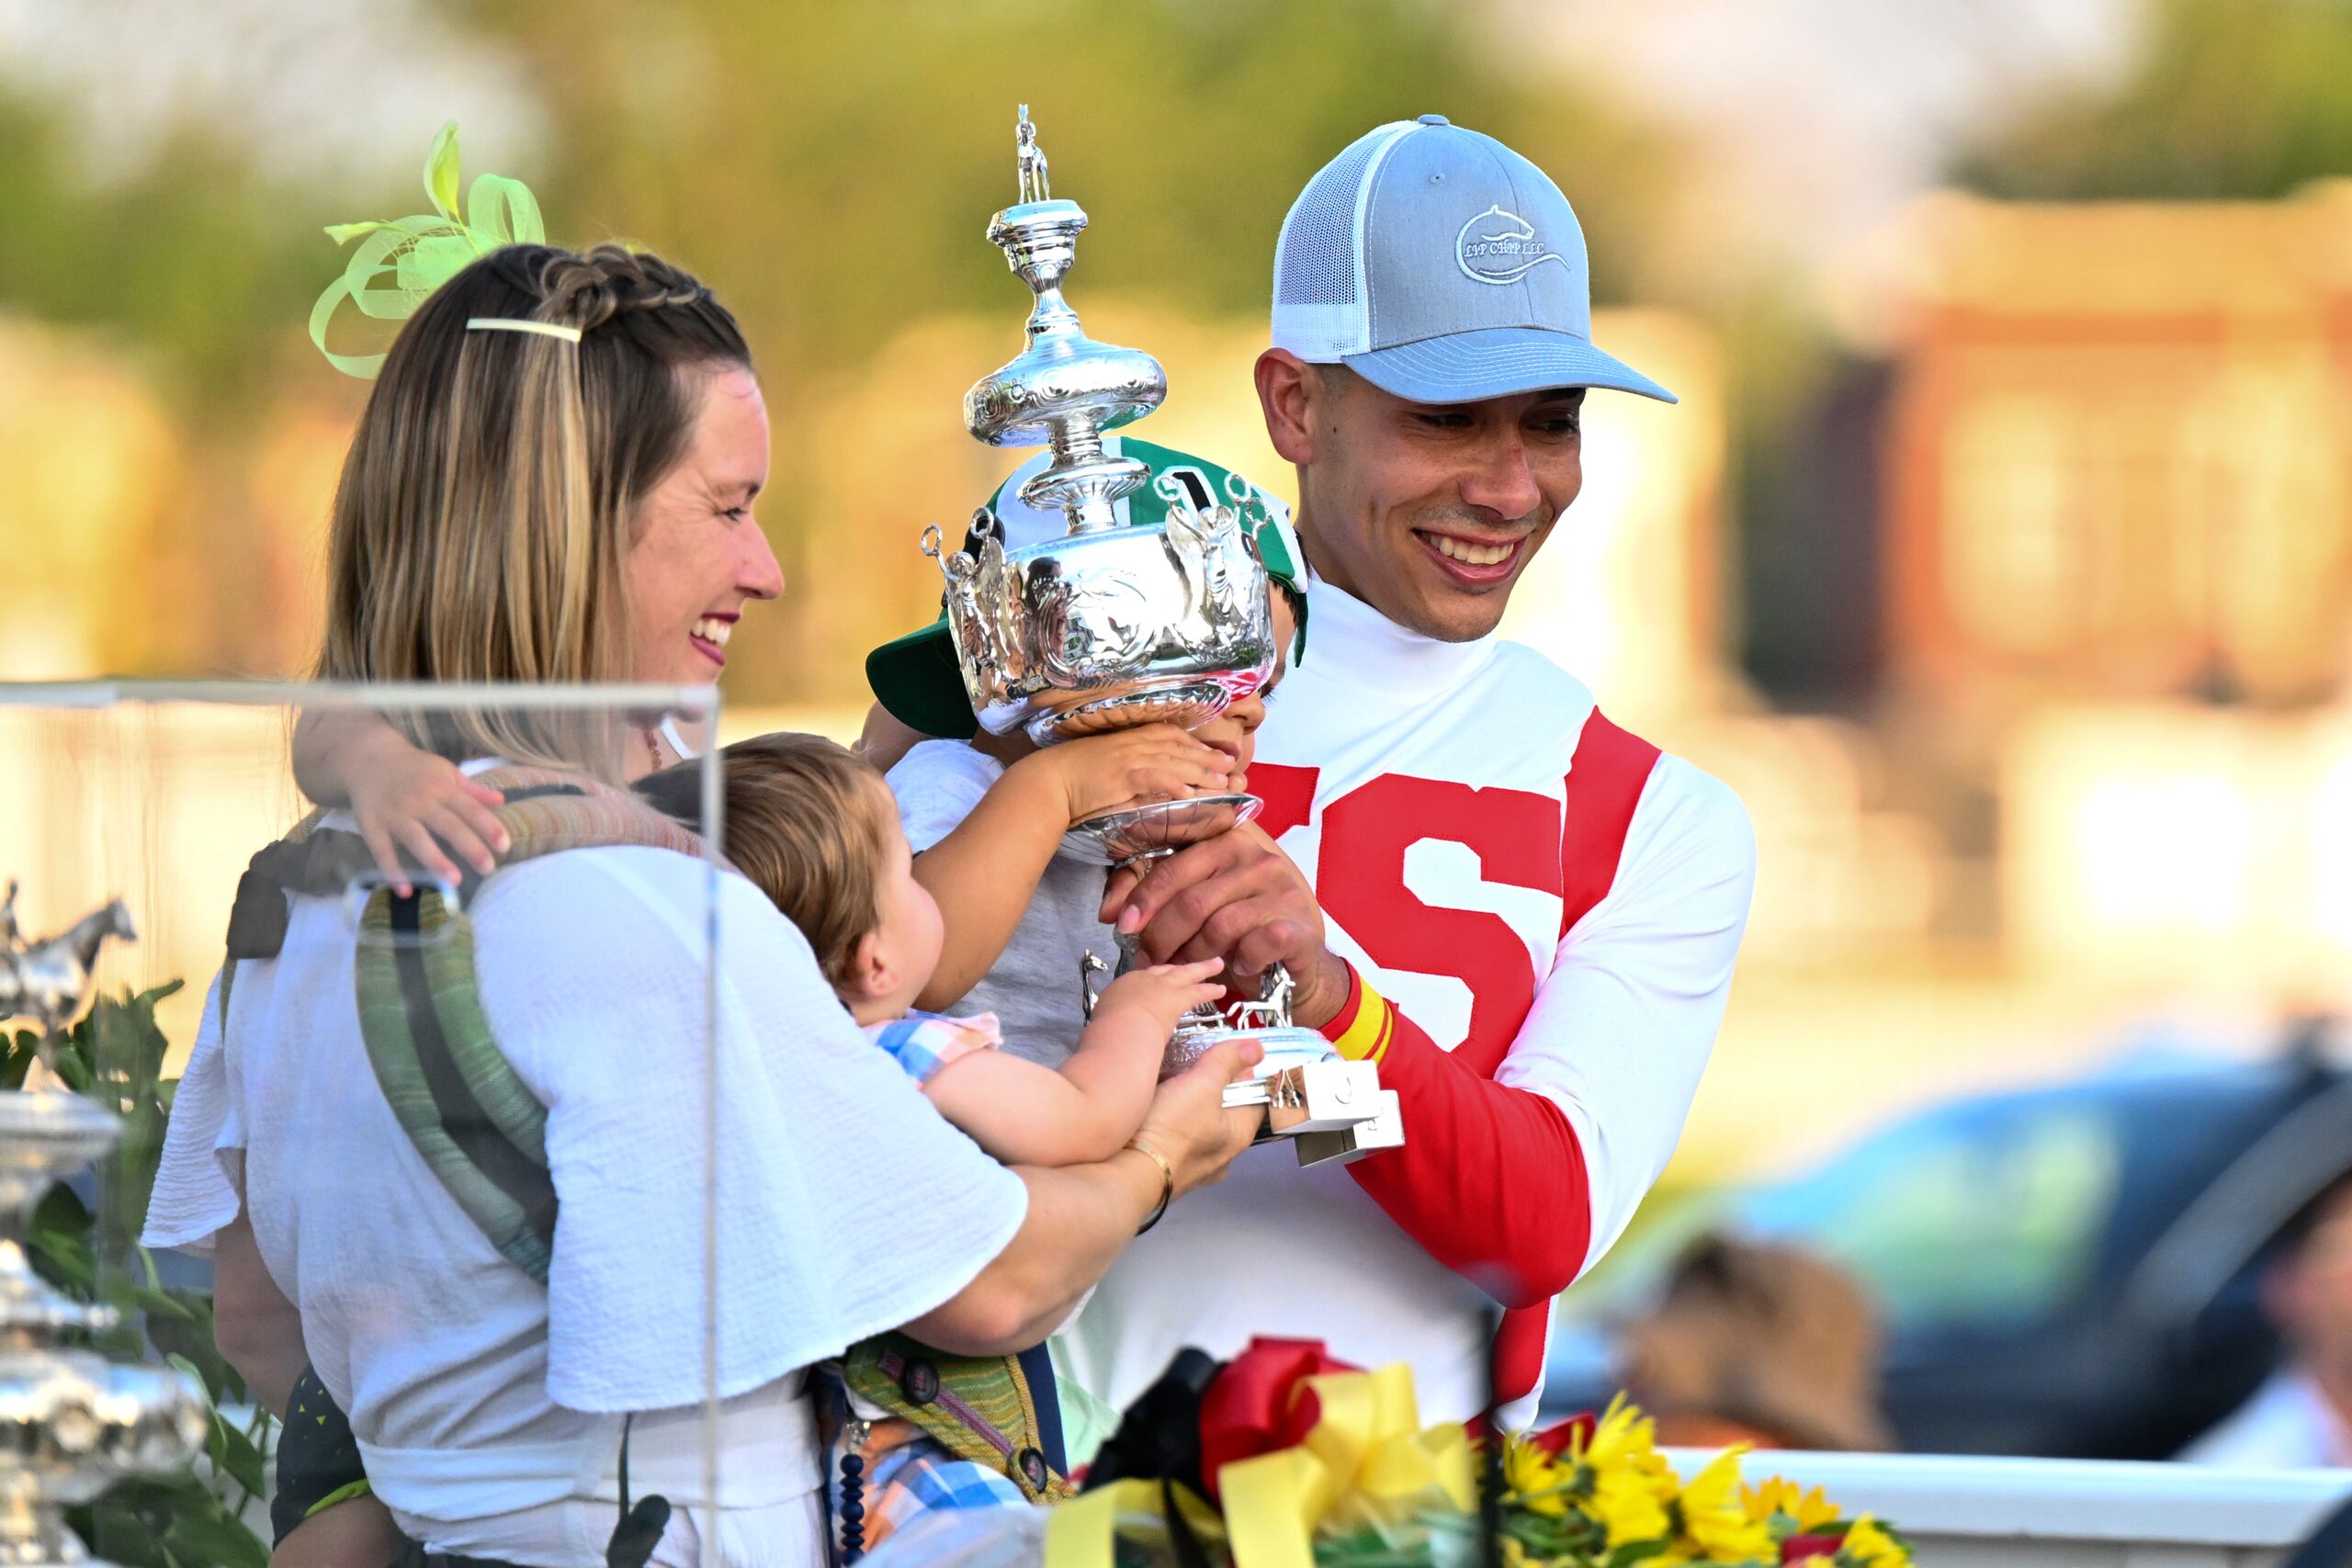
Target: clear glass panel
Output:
[(371, 1128)]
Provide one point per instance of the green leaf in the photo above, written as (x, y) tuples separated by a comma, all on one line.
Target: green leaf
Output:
[(239, 1459), (164, 1304), (441, 170), (216, 1539)]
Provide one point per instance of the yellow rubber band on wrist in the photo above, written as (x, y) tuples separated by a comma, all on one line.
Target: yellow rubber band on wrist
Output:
[(1367, 1036)]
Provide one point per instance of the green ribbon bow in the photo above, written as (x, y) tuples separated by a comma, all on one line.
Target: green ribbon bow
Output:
[(421, 253)]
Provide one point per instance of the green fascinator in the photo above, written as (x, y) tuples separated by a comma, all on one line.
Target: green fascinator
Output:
[(401, 261)]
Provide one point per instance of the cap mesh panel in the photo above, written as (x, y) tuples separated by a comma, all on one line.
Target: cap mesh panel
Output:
[(1321, 313)]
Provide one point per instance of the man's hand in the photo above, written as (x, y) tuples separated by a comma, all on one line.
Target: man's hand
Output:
[(1236, 897)]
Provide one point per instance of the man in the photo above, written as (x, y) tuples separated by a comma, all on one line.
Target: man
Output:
[(1528, 915), (2301, 1418), (1524, 914)]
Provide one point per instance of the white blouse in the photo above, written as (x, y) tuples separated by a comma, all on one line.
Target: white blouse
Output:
[(487, 1407)]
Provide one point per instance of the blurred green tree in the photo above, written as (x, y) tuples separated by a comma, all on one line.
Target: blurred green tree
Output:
[(829, 169), (2231, 98)]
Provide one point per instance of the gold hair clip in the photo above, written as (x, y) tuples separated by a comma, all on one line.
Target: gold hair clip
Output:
[(517, 324)]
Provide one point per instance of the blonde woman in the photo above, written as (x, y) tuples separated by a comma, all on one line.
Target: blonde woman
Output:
[(552, 482)]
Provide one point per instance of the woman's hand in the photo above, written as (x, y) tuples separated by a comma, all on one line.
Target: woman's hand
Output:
[(1189, 1124), (406, 798), (1151, 761)]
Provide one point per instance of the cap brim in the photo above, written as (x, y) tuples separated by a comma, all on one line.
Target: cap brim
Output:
[(1496, 362), (918, 682)]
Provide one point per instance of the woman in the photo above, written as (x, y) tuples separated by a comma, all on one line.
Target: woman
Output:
[(552, 482)]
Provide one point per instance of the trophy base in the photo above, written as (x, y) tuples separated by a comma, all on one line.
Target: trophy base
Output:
[(1330, 1110), (1157, 827), (1187, 706)]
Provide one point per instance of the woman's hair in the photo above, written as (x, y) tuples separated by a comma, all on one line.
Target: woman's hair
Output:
[(808, 823), (487, 502)]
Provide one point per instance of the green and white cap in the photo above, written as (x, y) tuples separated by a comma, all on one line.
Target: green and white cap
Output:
[(915, 677)]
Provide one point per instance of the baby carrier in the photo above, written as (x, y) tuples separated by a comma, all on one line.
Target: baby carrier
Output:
[(483, 1133)]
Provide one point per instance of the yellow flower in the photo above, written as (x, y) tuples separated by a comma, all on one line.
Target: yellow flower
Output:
[(1715, 1526), (1779, 1496), (1868, 1545), (1622, 1433), (1626, 1501), (1535, 1478)]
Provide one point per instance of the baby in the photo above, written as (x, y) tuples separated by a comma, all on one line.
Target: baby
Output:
[(817, 830)]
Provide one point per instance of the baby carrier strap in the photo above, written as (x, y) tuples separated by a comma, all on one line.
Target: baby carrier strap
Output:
[(468, 1114), (483, 1134), (998, 1411)]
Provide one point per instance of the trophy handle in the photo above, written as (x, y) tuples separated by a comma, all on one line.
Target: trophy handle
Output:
[(1088, 967), (935, 545)]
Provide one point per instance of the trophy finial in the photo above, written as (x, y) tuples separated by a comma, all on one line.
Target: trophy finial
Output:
[(1033, 184)]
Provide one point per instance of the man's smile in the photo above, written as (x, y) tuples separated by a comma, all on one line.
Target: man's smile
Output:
[(1472, 562)]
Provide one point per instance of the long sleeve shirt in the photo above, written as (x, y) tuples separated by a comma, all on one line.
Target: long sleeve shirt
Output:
[(1541, 912)]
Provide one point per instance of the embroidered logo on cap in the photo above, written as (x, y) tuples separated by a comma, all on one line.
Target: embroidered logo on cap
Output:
[(1500, 247)]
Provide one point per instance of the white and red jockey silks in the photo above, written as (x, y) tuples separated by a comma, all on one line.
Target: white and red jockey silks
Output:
[(1542, 913)]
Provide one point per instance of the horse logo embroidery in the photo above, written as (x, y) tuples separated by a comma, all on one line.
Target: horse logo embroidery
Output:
[(1500, 247)]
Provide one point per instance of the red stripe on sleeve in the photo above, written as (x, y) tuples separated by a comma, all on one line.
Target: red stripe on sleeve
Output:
[(1604, 786), (1491, 1180)]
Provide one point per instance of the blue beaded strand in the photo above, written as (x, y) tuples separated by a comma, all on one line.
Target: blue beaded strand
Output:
[(853, 1508)]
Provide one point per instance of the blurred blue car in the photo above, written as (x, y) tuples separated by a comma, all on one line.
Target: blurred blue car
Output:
[(2064, 1271)]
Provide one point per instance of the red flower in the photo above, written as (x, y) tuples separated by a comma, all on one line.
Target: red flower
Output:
[(1260, 1403), (1797, 1548), (1554, 1440)]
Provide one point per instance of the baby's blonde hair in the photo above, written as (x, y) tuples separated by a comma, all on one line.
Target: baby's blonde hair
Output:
[(808, 823)]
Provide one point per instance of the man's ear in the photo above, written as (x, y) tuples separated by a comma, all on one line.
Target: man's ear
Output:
[(1288, 392), (867, 977)]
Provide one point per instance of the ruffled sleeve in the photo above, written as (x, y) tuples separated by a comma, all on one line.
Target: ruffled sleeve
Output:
[(198, 1186)]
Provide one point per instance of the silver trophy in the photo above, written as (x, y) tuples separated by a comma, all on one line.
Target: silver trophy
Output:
[(70, 1423), (1331, 1109), (1113, 624)]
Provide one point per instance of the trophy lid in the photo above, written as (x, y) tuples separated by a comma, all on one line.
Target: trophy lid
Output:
[(1065, 388)]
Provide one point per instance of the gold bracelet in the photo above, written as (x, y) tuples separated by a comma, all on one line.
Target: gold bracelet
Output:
[(1167, 1181)]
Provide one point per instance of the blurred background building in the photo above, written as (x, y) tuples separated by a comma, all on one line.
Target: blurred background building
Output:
[(2000, 552)]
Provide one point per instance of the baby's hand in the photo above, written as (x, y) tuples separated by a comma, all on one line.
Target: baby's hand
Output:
[(1153, 999), (404, 798), (1151, 761)]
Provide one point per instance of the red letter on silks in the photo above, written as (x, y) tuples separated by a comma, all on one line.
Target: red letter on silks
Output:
[(1361, 882), (1289, 794)]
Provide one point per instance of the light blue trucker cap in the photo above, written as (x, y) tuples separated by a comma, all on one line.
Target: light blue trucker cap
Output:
[(1442, 266)]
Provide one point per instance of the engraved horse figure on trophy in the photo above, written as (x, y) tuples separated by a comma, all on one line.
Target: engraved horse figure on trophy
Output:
[(48, 981), (1212, 556)]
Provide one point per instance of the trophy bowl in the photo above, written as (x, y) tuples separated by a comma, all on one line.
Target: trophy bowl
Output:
[(1117, 623), (1164, 623), (1157, 827)]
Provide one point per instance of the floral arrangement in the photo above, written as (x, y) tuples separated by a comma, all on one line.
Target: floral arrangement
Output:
[(1599, 1493), (1286, 1459)]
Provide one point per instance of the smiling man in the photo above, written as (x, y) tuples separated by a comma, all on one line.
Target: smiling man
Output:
[(1526, 915)]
